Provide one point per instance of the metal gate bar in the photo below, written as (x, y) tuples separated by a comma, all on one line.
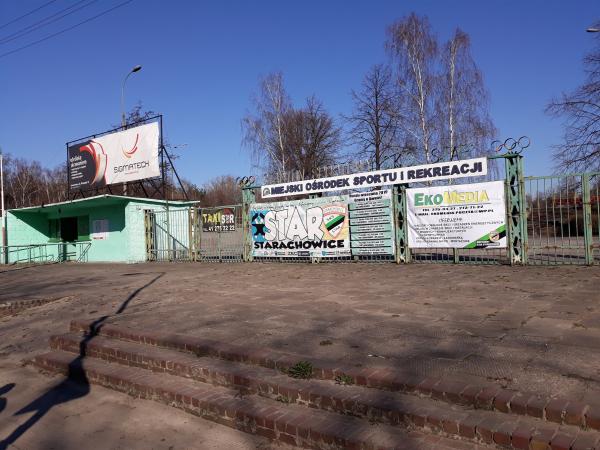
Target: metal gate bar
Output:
[(562, 219)]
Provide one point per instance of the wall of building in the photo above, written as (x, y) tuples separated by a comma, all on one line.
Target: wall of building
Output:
[(113, 246), (23, 231), (123, 241)]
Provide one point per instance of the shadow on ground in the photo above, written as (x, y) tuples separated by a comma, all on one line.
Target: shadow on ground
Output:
[(66, 391)]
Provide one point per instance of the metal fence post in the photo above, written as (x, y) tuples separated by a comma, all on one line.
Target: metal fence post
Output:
[(316, 259), (191, 240), (248, 197), (516, 209), (587, 219), (400, 224)]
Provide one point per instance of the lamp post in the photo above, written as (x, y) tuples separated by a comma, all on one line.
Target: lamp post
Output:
[(123, 120), (135, 69), (593, 30)]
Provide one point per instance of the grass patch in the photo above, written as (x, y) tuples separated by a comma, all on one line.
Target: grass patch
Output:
[(302, 369), (345, 380), (283, 399)]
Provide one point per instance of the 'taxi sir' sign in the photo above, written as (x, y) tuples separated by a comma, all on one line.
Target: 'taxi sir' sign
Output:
[(429, 172)]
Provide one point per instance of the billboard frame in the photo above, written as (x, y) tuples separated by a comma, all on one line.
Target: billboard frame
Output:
[(158, 184)]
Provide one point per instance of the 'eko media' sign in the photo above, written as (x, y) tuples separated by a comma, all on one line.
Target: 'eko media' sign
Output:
[(457, 216)]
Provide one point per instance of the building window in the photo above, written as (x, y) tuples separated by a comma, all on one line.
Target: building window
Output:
[(69, 229)]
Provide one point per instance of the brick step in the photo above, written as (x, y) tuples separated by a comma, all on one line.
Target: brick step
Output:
[(14, 307), (289, 424), (487, 396), (386, 407)]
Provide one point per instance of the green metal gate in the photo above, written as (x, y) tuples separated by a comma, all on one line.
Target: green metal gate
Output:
[(562, 219), (220, 240), (191, 234)]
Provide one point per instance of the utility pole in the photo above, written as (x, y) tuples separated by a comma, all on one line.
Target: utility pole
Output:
[(4, 249)]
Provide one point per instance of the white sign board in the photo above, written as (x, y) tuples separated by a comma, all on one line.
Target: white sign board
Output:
[(457, 216), (316, 227), (123, 156), (371, 222), (99, 229), (428, 172)]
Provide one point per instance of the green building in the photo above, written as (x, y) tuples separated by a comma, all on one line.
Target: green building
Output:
[(104, 228)]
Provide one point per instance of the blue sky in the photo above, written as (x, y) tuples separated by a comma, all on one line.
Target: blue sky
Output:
[(202, 60)]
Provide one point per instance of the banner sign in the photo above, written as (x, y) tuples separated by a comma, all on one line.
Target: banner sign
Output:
[(123, 156), (218, 220), (316, 227), (457, 216), (429, 172), (371, 220)]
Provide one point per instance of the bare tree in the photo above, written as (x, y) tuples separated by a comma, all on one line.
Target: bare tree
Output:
[(285, 139), (414, 51), (223, 190), (463, 104), (265, 130), (313, 138), (374, 120), (580, 149)]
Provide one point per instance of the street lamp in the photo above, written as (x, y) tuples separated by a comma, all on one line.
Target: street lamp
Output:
[(593, 30), (135, 69)]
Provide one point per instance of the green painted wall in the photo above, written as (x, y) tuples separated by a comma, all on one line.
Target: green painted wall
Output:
[(124, 241), (24, 230)]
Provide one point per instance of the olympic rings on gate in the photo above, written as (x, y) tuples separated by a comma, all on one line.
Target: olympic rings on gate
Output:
[(245, 181), (511, 145)]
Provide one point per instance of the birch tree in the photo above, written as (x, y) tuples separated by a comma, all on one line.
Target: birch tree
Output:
[(414, 52), (264, 131), (464, 102), (283, 138)]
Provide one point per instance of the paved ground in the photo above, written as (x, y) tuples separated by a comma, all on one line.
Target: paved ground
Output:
[(532, 328), (100, 419)]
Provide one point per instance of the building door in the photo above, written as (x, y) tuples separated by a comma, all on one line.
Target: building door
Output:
[(68, 229)]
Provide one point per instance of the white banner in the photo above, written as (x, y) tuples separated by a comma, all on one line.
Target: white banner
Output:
[(457, 216), (428, 172), (316, 227), (123, 156)]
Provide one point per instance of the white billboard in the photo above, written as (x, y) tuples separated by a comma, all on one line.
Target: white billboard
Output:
[(457, 216), (119, 157)]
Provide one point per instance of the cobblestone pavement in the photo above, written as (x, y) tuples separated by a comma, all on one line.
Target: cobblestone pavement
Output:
[(528, 328)]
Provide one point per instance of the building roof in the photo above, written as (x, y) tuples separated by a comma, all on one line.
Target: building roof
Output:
[(98, 201)]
